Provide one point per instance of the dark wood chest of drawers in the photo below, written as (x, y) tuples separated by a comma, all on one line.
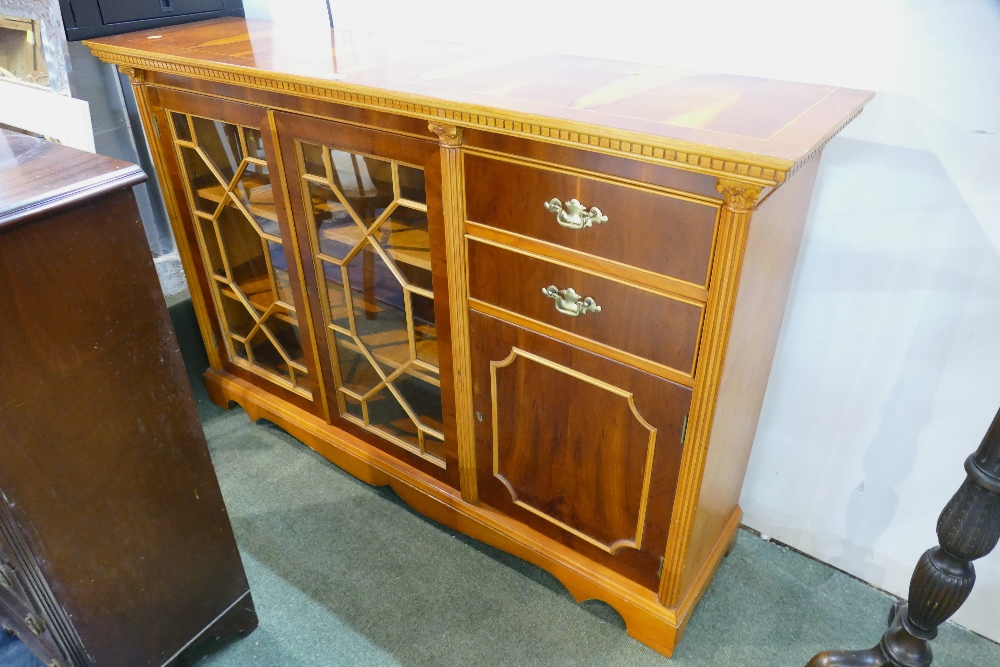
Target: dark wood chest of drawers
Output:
[(115, 545)]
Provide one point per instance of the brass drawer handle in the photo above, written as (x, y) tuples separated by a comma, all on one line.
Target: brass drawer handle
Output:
[(568, 302), (575, 215)]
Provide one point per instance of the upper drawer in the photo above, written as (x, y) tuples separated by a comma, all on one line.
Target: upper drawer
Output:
[(636, 321), (644, 229)]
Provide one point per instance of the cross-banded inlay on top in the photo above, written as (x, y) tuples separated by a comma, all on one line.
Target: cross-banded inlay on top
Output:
[(371, 243), (230, 195)]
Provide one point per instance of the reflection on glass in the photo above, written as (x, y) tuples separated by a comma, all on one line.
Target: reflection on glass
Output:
[(411, 184), (21, 53), (336, 229), (232, 203), (312, 160), (405, 239), (370, 239), (205, 188), (279, 268), (255, 144), (181, 129), (213, 255), (240, 321), (434, 446), (387, 416), (253, 189), (357, 375), (422, 392), (379, 321), (220, 142), (336, 298), (245, 252), (353, 408), (365, 182), (424, 330)]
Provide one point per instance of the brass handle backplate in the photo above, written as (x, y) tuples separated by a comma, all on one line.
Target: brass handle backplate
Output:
[(568, 302), (574, 215)]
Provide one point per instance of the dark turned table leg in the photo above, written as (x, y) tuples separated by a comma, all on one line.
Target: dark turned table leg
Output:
[(968, 529)]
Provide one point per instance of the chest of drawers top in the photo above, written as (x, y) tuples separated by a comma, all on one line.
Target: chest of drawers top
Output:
[(751, 128)]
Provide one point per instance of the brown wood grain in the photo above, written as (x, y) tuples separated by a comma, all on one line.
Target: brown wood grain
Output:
[(740, 199), (294, 103), (677, 161), (38, 177), (105, 465), (570, 449), (771, 123), (646, 620), (255, 117), (676, 234), (573, 450), (452, 191), (424, 153), (649, 325), (169, 179), (600, 163), (592, 263), (772, 250)]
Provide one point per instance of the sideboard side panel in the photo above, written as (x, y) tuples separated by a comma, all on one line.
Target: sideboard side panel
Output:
[(768, 266)]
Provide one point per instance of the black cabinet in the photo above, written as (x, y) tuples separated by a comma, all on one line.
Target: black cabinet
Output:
[(96, 18)]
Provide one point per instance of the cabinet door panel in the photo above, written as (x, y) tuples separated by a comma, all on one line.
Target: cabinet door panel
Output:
[(228, 174), (582, 448), (369, 211)]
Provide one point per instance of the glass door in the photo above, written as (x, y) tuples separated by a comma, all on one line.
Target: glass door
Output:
[(222, 153), (372, 218)]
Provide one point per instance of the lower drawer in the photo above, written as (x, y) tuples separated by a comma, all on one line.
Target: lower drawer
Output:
[(643, 324), (581, 448)]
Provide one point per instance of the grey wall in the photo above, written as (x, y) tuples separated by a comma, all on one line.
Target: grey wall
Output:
[(118, 134)]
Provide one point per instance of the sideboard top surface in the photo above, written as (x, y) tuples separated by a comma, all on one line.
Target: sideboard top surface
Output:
[(764, 124), (38, 176)]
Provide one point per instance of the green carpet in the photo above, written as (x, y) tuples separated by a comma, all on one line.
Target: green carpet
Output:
[(346, 574)]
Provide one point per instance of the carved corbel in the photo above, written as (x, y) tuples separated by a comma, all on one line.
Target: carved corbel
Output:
[(740, 197), (449, 136), (136, 76)]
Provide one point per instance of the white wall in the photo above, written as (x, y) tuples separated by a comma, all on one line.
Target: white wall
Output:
[(37, 109), (886, 375)]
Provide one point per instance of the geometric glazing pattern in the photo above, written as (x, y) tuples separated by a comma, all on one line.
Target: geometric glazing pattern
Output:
[(229, 192), (368, 228)]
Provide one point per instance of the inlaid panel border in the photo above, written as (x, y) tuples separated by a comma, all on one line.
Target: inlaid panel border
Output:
[(636, 541)]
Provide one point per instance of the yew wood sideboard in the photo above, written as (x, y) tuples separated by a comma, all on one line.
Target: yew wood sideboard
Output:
[(538, 296)]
